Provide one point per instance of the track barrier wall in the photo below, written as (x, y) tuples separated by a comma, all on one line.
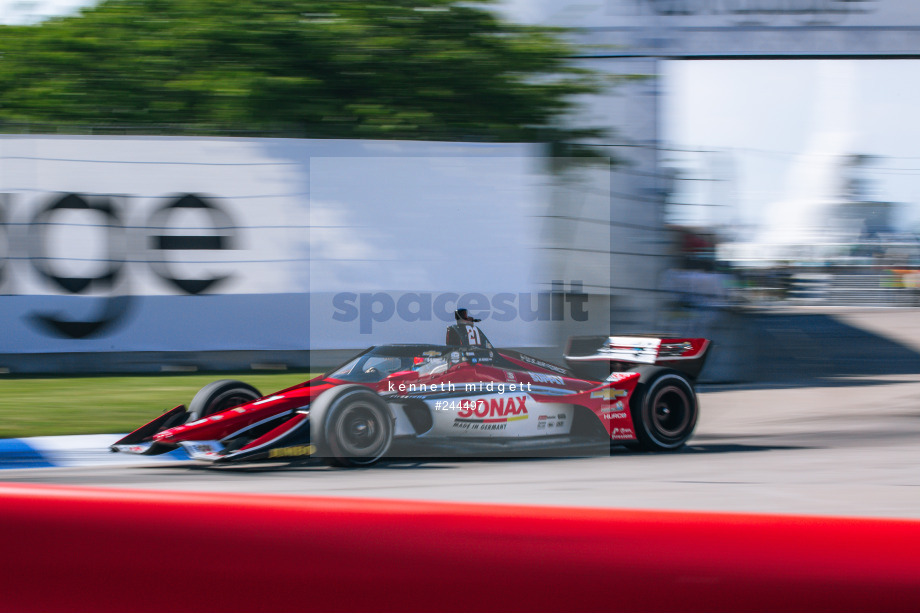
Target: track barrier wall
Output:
[(83, 549)]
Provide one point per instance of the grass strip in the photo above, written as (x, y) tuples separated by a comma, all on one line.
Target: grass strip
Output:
[(34, 406)]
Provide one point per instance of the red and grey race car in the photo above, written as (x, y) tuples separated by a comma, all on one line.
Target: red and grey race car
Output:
[(439, 400)]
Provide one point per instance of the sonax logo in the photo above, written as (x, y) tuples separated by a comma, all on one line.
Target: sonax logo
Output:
[(493, 410)]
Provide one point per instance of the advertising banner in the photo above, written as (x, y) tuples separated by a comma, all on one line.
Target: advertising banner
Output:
[(127, 244), (134, 244)]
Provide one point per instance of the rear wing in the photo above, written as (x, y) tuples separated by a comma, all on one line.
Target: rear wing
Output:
[(687, 355)]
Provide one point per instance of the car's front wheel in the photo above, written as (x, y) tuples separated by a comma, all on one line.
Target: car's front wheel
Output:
[(219, 396), (351, 426)]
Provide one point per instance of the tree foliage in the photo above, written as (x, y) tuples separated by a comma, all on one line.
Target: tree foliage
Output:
[(434, 69)]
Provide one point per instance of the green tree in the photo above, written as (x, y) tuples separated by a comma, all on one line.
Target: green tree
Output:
[(432, 69)]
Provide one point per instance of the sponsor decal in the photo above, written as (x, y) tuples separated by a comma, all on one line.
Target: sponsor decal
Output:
[(473, 425), (544, 365), (554, 421), (497, 410), (675, 349), (618, 406), (292, 451), (611, 415), (490, 414), (609, 394), (622, 433), (620, 376), (546, 378), (632, 349)]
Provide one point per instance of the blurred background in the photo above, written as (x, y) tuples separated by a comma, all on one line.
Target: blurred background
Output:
[(215, 185)]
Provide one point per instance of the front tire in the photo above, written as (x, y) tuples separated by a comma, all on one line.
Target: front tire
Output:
[(219, 396), (664, 409), (355, 425)]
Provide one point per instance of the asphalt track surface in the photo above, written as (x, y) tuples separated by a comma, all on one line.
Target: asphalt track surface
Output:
[(839, 444)]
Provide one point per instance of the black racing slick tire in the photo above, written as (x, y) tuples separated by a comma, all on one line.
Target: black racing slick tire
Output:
[(219, 396), (352, 426), (664, 408)]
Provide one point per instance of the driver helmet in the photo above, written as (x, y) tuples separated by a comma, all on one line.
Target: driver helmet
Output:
[(462, 315)]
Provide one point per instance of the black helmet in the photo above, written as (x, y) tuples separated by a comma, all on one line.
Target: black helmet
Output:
[(462, 314)]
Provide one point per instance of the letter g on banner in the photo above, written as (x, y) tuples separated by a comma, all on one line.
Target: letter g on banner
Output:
[(43, 264), (114, 308)]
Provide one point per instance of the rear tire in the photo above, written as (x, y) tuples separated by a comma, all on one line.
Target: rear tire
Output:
[(219, 396), (664, 409)]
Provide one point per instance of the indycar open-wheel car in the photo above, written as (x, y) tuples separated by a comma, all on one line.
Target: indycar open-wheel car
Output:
[(418, 400)]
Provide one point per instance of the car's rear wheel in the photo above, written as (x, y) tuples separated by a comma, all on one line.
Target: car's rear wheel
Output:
[(219, 396), (664, 409), (358, 427)]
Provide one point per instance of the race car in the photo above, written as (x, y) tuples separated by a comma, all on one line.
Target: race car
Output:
[(416, 400)]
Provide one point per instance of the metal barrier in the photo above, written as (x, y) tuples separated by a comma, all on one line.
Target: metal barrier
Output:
[(854, 290)]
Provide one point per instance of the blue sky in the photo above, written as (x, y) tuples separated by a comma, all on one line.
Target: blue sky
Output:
[(30, 11), (781, 127)]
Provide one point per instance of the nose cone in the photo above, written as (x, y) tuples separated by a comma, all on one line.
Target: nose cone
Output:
[(216, 426), (190, 431), (168, 436)]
